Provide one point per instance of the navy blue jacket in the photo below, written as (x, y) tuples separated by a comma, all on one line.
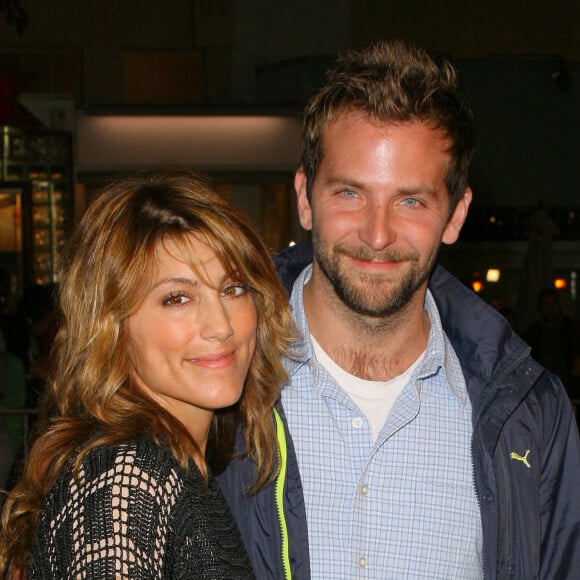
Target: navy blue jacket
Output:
[(530, 516)]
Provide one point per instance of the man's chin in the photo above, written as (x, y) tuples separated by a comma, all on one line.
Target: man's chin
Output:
[(375, 304), (377, 296)]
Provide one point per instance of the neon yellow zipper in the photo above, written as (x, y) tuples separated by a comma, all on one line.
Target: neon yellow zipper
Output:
[(280, 481)]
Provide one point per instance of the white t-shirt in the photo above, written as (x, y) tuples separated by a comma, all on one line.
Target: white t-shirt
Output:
[(375, 399)]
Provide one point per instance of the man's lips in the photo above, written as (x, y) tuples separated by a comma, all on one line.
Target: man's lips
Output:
[(376, 264), (383, 261)]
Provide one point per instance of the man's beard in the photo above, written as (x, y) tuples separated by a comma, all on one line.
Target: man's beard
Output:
[(372, 294)]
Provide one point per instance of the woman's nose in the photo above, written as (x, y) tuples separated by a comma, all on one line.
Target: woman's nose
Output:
[(216, 323)]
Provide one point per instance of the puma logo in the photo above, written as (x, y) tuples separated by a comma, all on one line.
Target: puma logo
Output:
[(522, 458)]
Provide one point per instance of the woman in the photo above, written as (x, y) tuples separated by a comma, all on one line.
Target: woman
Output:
[(173, 324)]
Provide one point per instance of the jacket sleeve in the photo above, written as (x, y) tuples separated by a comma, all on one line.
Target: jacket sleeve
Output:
[(559, 488)]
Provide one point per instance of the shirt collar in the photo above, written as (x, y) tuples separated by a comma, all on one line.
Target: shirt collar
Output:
[(303, 350), (440, 354)]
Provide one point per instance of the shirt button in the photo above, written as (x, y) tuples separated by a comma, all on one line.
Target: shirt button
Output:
[(364, 490), (357, 423), (362, 561)]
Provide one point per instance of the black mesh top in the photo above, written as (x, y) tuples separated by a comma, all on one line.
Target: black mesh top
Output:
[(136, 514)]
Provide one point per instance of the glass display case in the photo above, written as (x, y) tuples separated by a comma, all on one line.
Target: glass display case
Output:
[(36, 188)]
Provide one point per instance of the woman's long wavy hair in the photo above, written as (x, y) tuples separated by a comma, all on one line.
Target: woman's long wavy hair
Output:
[(91, 399)]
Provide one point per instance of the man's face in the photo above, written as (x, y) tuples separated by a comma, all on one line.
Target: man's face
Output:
[(378, 212)]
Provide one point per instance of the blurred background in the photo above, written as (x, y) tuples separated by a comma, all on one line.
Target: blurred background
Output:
[(93, 88), (90, 89)]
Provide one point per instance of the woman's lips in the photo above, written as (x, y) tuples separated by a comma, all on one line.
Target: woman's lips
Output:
[(214, 360)]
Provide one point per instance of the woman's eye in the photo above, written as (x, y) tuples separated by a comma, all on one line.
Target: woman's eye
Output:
[(176, 299), (234, 290)]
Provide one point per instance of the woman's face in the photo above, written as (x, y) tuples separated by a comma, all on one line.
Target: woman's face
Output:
[(191, 343)]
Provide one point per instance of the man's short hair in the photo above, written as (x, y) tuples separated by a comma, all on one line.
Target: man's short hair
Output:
[(393, 82)]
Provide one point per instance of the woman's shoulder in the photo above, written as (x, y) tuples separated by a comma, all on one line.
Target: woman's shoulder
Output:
[(133, 469), (131, 461), (132, 494)]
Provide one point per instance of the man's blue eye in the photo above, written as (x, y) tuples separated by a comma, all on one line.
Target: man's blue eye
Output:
[(349, 193)]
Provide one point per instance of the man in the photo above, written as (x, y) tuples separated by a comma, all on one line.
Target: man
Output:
[(421, 439)]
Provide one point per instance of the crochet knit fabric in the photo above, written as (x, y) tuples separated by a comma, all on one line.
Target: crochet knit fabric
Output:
[(134, 513)]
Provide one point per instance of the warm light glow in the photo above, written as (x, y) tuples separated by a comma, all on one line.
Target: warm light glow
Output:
[(477, 285), (492, 219), (493, 275), (560, 283), (292, 243), (259, 142)]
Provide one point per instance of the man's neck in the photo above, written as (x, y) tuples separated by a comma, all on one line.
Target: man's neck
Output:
[(371, 348)]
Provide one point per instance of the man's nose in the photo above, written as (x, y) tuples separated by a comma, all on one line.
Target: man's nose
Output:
[(379, 227)]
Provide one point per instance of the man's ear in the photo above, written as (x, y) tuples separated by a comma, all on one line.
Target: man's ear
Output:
[(457, 219), (304, 208)]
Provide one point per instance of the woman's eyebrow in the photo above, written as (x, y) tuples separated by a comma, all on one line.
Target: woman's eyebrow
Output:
[(176, 280)]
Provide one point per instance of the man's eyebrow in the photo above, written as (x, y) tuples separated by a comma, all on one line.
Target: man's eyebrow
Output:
[(344, 181), (420, 189)]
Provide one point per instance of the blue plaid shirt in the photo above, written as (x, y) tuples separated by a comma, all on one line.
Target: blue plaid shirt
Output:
[(403, 506)]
